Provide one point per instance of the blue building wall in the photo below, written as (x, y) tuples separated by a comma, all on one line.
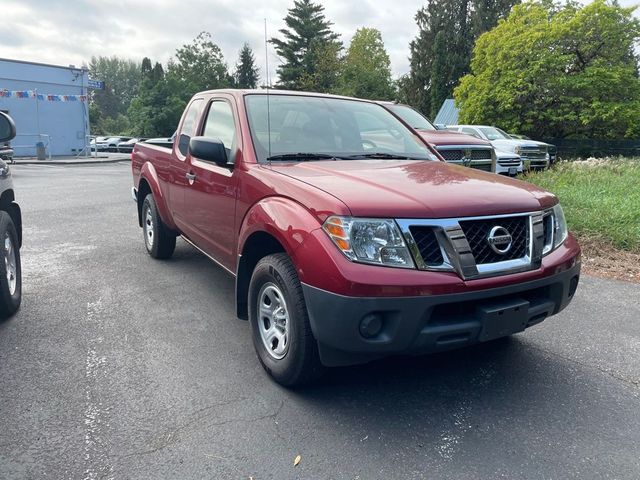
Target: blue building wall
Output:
[(66, 123)]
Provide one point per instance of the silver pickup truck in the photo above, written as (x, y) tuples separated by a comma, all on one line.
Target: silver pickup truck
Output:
[(535, 155)]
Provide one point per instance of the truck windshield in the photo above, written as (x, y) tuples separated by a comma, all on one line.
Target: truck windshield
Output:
[(494, 133), (319, 128), (412, 117)]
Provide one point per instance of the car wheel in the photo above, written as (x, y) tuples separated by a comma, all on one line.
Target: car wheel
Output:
[(279, 321), (159, 240), (11, 274)]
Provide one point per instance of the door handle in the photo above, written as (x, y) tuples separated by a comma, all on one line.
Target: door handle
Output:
[(191, 177)]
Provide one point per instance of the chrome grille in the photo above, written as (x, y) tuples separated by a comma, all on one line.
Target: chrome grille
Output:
[(481, 154), (452, 155), (533, 153), (509, 162), (486, 167), (427, 244), (474, 247), (459, 154), (477, 232)]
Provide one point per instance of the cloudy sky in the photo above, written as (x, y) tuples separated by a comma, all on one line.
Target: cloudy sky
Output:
[(65, 32)]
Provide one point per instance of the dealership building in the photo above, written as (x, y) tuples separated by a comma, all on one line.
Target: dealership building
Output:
[(48, 104)]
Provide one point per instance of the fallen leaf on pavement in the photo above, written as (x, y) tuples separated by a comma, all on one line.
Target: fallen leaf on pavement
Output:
[(297, 461)]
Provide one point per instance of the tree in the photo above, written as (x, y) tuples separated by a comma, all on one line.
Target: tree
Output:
[(366, 70), (441, 52), (163, 95), (557, 71), (307, 41), (121, 78), (326, 66), (246, 74), (156, 111), (199, 66)]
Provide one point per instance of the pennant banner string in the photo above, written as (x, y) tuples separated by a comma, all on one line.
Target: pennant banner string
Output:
[(41, 96)]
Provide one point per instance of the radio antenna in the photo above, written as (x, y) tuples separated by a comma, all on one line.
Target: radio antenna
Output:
[(266, 62)]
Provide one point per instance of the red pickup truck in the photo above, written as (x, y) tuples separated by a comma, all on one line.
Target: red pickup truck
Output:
[(348, 238)]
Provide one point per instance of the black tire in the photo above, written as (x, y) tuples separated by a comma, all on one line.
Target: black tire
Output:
[(162, 242), (9, 302), (301, 361)]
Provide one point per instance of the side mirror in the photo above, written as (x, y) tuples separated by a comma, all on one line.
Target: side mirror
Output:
[(208, 149), (7, 127)]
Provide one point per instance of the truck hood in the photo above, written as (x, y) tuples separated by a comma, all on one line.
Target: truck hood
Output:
[(445, 137), (417, 189), (511, 144)]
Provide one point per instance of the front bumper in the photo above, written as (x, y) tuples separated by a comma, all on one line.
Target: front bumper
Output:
[(430, 323)]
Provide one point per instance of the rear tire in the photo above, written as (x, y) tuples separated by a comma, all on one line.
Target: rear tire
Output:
[(10, 268), (280, 325), (159, 240)]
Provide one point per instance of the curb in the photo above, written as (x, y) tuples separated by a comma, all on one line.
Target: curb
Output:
[(71, 162)]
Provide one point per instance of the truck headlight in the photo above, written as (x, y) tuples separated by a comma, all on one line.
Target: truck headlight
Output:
[(369, 240), (560, 231)]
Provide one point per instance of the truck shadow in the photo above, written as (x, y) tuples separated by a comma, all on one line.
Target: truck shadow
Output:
[(500, 393)]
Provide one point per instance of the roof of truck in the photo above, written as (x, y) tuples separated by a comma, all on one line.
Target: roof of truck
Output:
[(275, 91)]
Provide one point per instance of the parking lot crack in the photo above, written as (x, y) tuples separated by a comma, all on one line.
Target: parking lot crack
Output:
[(617, 376), (172, 436)]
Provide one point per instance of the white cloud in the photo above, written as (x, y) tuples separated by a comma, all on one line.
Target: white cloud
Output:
[(64, 32)]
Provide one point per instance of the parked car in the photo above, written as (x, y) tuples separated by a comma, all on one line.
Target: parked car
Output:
[(551, 149), (93, 143), (348, 238), (508, 163), (534, 154), (161, 141), (455, 148), (10, 231), (127, 145), (110, 144)]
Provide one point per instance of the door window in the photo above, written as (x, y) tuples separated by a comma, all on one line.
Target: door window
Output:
[(189, 125), (220, 124)]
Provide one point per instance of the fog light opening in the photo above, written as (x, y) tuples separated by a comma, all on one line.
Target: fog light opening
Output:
[(371, 325), (573, 285)]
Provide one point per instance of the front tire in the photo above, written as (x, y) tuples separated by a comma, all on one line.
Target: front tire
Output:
[(159, 240), (11, 269), (280, 325)]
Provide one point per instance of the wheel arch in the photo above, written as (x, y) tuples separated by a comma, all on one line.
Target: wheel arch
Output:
[(258, 245), (7, 203), (273, 225), (149, 176)]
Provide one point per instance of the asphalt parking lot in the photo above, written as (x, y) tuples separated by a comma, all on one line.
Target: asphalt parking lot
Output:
[(118, 366)]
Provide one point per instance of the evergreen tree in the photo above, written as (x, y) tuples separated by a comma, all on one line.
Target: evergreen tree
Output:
[(146, 68), (441, 52), (439, 90), (246, 74), (304, 40)]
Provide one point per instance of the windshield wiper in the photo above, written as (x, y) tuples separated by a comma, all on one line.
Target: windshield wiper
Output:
[(382, 155), (302, 157)]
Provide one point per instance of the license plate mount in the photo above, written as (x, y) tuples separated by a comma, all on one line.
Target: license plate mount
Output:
[(513, 171), (502, 319)]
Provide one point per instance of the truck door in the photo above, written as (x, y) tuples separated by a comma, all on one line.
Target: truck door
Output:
[(179, 168), (211, 197)]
